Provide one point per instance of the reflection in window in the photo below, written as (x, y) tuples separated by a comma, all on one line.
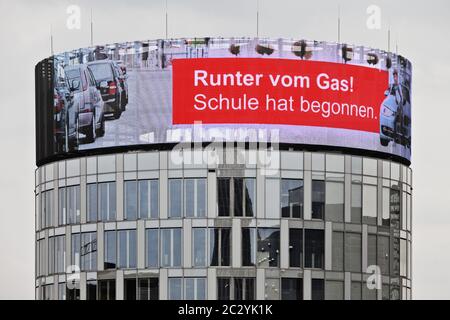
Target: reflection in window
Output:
[(148, 199), (272, 289), (248, 246), (236, 196), (175, 198), (291, 289), (127, 248), (73, 293), (195, 197), (236, 288), (223, 196), (338, 251), (62, 207), (292, 198), (60, 254), (152, 238), (130, 200), (353, 252), (91, 290), (220, 247), (296, 248), (171, 247), (318, 199), (110, 250), (334, 201), (107, 201), (369, 204), (88, 251), (268, 254), (75, 252), (130, 289), (356, 201), (106, 289), (199, 243), (148, 288), (92, 204), (314, 248), (383, 254)]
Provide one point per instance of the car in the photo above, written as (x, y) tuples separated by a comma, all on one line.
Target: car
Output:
[(91, 120), (107, 78), (395, 118), (65, 115), (124, 84)]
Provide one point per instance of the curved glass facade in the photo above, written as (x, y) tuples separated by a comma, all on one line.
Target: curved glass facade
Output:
[(142, 226)]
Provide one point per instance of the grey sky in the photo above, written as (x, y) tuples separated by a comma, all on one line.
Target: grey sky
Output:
[(421, 29)]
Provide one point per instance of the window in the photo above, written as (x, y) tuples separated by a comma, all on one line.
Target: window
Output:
[(130, 289), (127, 248), (62, 207), (152, 238), (335, 290), (171, 247), (334, 201), (91, 290), (175, 198), (352, 252), (318, 199), (356, 290), (236, 197), (110, 250), (272, 289), (338, 251), (46, 208), (236, 288), (291, 289), (199, 243), (369, 204), (107, 289), (372, 250), (62, 291), (248, 246), (75, 252), (195, 197), (370, 167), (268, 254), (148, 199), (220, 247), (195, 288), (314, 248), (60, 254), (107, 201), (223, 196), (385, 219), (88, 251), (148, 288), (383, 254), (356, 202), (317, 290), (292, 198), (130, 200), (73, 204), (92, 204), (73, 293), (296, 248), (51, 255)]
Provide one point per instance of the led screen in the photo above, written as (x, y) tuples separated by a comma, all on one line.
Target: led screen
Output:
[(215, 89)]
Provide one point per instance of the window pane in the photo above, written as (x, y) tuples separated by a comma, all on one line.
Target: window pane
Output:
[(291, 198), (335, 290), (123, 249), (73, 203), (223, 288), (92, 202), (152, 248), (201, 198), (76, 250), (250, 198), (62, 206), (223, 196), (175, 289), (317, 290), (335, 201), (353, 252), (238, 196), (268, 247), (130, 200), (318, 199), (91, 290), (132, 249), (175, 198), (189, 187), (130, 289), (177, 247), (107, 201), (296, 248), (383, 254), (110, 250), (335, 163), (225, 247), (338, 251), (89, 251), (248, 246), (370, 167), (144, 199), (372, 250), (199, 247), (291, 289), (369, 204), (356, 210), (314, 248)]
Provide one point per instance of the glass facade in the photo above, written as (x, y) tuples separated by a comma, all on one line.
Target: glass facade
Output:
[(318, 228)]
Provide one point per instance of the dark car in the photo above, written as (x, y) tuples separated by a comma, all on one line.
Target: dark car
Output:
[(123, 83), (91, 120), (65, 115), (108, 82)]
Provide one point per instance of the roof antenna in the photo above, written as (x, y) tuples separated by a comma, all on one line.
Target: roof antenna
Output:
[(339, 24), (167, 20), (51, 40), (92, 30), (257, 18)]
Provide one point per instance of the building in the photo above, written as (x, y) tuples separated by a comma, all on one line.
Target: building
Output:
[(324, 220)]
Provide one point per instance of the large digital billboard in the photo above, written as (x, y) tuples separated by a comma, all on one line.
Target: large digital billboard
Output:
[(210, 89)]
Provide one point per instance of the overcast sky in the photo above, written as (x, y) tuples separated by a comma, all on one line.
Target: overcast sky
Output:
[(421, 29)]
